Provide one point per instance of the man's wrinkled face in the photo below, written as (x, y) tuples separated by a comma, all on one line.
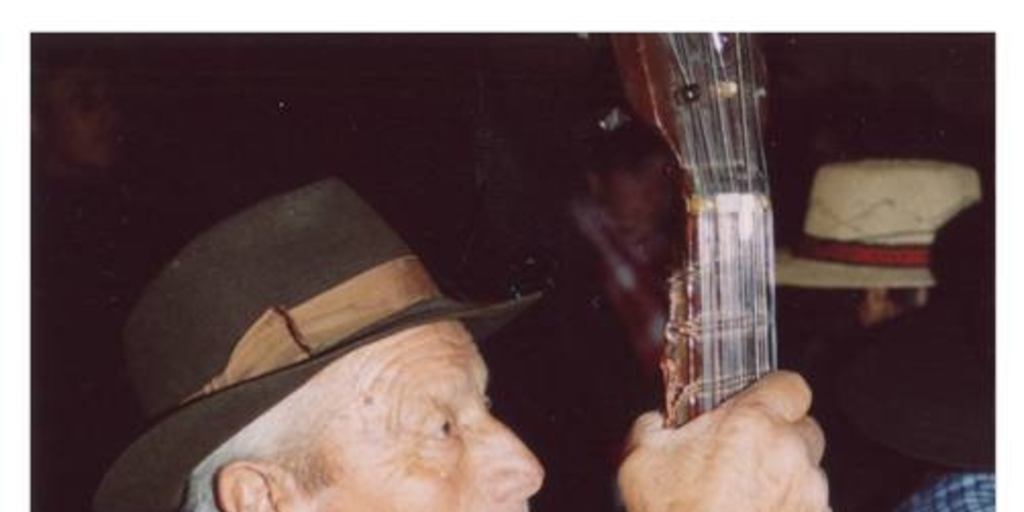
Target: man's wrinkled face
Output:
[(413, 431)]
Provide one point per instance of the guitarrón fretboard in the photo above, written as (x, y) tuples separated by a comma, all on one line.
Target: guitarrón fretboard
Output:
[(703, 91)]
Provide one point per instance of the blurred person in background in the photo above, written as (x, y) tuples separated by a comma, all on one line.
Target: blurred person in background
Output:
[(924, 385), (863, 259)]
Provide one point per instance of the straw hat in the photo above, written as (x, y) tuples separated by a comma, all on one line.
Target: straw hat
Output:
[(253, 308), (871, 223)]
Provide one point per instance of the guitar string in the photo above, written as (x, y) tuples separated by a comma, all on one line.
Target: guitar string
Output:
[(733, 292)]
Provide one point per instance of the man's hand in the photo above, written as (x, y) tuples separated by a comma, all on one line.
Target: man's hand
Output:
[(758, 451)]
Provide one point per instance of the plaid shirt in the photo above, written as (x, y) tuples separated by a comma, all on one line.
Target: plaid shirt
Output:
[(955, 492)]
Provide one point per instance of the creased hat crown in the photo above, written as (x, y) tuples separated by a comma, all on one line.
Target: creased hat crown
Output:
[(277, 253), (888, 202)]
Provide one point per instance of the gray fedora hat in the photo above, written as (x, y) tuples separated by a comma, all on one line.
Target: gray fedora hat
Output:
[(250, 310)]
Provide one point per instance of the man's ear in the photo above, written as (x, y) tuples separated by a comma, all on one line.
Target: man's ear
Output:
[(248, 486)]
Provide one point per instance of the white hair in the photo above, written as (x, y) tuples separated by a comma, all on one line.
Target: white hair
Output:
[(286, 434)]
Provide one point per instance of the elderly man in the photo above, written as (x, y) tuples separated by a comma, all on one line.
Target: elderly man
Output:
[(300, 358)]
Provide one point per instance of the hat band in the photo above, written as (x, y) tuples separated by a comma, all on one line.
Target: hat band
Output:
[(864, 254), (280, 336)]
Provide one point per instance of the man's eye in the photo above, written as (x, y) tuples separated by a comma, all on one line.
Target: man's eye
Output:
[(446, 429)]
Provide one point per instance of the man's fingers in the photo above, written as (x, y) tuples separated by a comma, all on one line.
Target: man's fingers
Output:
[(809, 493), (648, 426), (813, 437), (784, 393)]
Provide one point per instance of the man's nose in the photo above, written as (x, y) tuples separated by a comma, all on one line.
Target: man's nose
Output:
[(511, 471)]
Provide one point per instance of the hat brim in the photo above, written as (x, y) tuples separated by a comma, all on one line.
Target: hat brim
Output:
[(793, 270), (151, 473), (921, 389)]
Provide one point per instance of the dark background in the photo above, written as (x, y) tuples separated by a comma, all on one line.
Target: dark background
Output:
[(470, 146)]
